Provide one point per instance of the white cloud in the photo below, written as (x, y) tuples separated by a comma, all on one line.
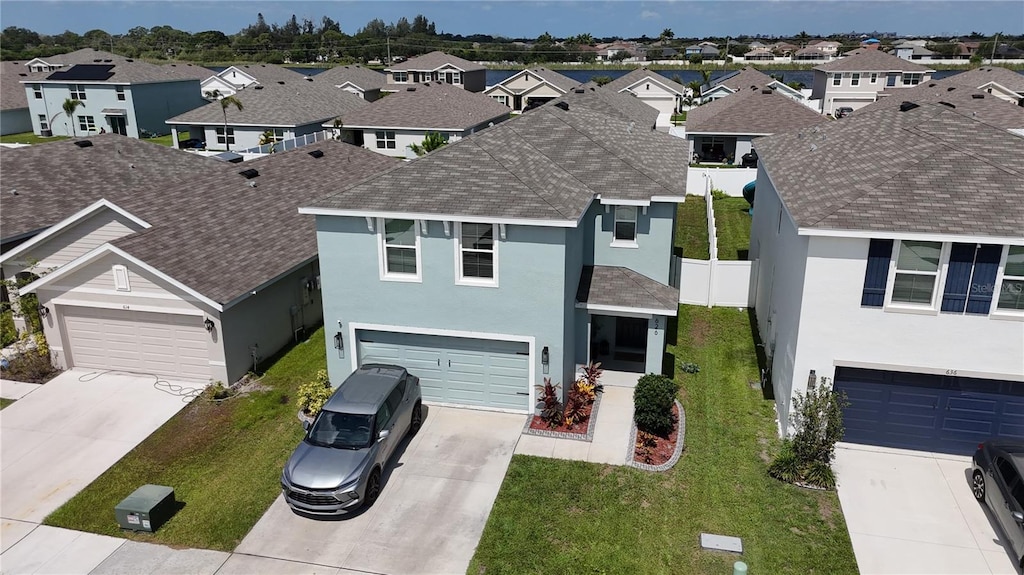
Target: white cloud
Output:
[(649, 15)]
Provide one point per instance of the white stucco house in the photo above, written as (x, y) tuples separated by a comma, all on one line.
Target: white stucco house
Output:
[(230, 80), (855, 81), (1000, 82), (157, 261), (653, 89), (745, 79), (361, 81), (889, 259), (533, 86)]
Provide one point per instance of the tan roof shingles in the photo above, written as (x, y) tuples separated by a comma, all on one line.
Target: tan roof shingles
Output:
[(434, 60), (623, 287), (978, 77), (976, 103), (627, 80), (290, 104), (751, 112), (931, 169), (745, 78), (12, 91), (431, 106), (363, 78), (871, 61)]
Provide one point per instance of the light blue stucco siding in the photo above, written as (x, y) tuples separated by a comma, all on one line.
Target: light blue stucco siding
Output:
[(575, 244), (154, 104), (529, 301), (15, 121), (653, 255), (655, 343)]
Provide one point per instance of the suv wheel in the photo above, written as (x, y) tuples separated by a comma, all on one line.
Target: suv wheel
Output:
[(372, 487), (978, 485), (417, 418)]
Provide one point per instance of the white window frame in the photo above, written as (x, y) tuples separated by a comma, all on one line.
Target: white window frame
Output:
[(874, 77), (995, 311), (225, 136), (278, 134), (460, 276), (501, 99), (37, 91), (382, 260), (121, 282), (932, 308), (43, 123), (119, 90), (457, 78), (385, 143), (855, 79), (400, 77), (837, 79), (77, 91), (912, 78), (619, 243), (86, 123)]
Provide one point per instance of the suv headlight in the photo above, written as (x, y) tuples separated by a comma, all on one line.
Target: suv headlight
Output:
[(346, 492)]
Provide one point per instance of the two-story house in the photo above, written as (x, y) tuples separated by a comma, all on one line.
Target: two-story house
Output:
[(272, 112), (153, 260), (511, 256), (890, 260), (436, 67), (391, 125), (855, 81), (118, 95), (530, 87)]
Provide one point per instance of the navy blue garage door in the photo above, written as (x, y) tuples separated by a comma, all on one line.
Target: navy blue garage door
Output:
[(929, 412)]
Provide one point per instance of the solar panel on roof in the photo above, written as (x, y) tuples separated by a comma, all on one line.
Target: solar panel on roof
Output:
[(93, 72)]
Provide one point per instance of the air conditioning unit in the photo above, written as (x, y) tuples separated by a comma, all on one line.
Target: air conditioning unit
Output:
[(146, 509)]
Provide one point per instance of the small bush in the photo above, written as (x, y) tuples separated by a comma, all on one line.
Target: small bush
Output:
[(653, 399), (687, 367), (785, 467), (8, 333), (552, 411), (818, 420), (313, 395), (718, 194), (30, 366)]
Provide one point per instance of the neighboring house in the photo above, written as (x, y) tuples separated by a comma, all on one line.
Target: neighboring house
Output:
[(1002, 83), (828, 47), (722, 131), (653, 89), (531, 86), (437, 67), (283, 111), (633, 50), (229, 81), (784, 48), (361, 81), (889, 259), (745, 79), (759, 54), (909, 51), (14, 114), (118, 95), (512, 256), (967, 100), (157, 261), (810, 53), (390, 125), (855, 81), (706, 50)]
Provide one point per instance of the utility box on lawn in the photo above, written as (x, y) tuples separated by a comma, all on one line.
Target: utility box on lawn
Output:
[(146, 509)]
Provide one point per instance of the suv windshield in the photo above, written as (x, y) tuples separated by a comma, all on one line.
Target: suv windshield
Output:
[(341, 430)]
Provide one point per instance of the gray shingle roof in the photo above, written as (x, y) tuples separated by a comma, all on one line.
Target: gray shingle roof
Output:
[(751, 112), (211, 230), (978, 77), (434, 60), (364, 78), (12, 91), (293, 103), (975, 103), (432, 105), (931, 169), (627, 80), (744, 78), (268, 73), (623, 287), (557, 80), (547, 164), (871, 61), (126, 70)]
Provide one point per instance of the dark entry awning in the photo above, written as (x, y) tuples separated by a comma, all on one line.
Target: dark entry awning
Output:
[(612, 288)]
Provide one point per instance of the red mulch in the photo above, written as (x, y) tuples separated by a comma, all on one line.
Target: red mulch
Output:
[(579, 427), (664, 449)]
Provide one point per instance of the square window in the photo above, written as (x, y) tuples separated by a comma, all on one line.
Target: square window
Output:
[(225, 136), (385, 139), (917, 272), (77, 91), (399, 249), (1011, 291), (37, 91), (625, 223), (86, 123), (120, 92), (477, 253)]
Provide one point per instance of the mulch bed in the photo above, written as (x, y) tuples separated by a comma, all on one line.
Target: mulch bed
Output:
[(578, 427), (665, 447)]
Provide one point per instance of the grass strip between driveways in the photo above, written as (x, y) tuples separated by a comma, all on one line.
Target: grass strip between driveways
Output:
[(692, 229), (223, 460), (4, 402), (733, 222), (554, 516)]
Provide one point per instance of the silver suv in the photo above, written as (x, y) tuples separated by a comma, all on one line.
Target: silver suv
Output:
[(337, 468)]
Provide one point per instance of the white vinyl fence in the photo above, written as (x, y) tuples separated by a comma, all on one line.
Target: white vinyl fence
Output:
[(286, 145), (729, 180)]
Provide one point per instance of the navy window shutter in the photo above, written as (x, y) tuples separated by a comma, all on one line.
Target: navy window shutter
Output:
[(877, 274), (983, 285), (958, 277)]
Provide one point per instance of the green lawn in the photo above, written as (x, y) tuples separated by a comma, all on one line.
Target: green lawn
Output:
[(733, 224), (223, 461), (554, 516), (167, 140), (679, 118), (4, 402), (692, 229), (29, 138)]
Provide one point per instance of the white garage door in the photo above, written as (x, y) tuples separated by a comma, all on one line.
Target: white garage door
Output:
[(664, 105), (454, 370), (167, 345)]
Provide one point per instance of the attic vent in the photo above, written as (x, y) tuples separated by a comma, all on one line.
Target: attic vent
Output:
[(108, 60), (84, 143), (931, 85), (129, 60), (947, 104), (580, 90), (97, 60), (951, 88), (411, 89), (22, 74), (257, 87), (766, 91), (308, 79), (978, 96), (249, 174), (281, 82), (907, 106), (563, 105), (316, 153)]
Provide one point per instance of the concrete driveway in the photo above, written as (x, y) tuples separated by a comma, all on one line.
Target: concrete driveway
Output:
[(57, 439), (913, 512), (437, 495)]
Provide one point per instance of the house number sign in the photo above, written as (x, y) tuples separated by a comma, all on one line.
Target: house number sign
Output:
[(657, 324)]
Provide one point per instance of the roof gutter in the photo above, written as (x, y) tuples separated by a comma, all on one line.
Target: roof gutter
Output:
[(251, 292), (322, 211), (908, 235)]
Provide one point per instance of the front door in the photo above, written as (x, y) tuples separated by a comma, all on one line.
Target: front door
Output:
[(517, 103), (118, 125), (631, 333)]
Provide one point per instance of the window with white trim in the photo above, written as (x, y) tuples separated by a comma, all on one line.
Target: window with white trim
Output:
[(276, 134), (37, 91), (43, 124), (77, 91), (400, 257), (874, 78), (477, 253), (837, 79), (1011, 289), (457, 78), (625, 224), (912, 78), (225, 135), (400, 77), (917, 272), (385, 139), (855, 79), (119, 90), (501, 98), (121, 278), (86, 123)]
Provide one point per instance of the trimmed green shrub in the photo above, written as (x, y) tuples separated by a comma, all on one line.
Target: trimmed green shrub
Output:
[(653, 399), (8, 333), (313, 395), (818, 423)]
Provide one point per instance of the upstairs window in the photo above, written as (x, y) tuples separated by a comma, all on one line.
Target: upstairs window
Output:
[(1011, 290), (385, 139), (37, 91), (625, 225), (225, 135), (400, 252), (874, 78), (837, 79), (476, 253), (77, 91), (971, 278), (917, 272), (120, 92), (912, 79), (855, 79)]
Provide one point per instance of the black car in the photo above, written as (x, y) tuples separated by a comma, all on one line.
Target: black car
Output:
[(998, 481), (194, 143)]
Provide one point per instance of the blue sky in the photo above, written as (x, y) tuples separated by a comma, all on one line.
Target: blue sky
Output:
[(529, 19)]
